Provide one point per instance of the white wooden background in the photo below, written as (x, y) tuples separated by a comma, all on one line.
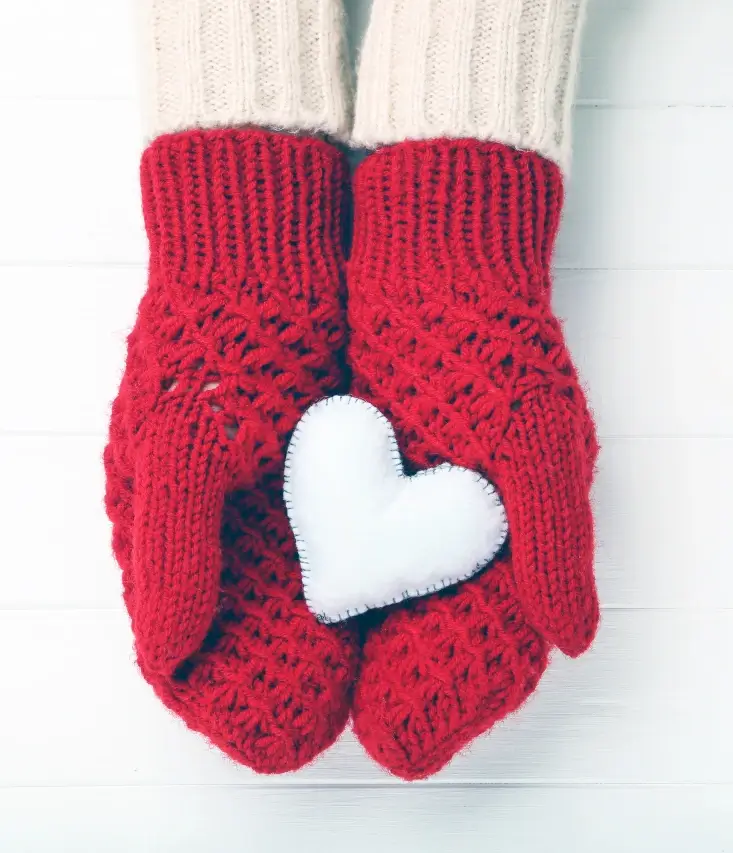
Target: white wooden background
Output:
[(630, 747)]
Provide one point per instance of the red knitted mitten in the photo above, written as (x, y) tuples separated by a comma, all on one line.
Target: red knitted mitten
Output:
[(454, 339), (239, 331)]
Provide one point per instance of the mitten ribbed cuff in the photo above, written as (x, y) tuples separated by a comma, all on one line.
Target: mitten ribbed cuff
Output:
[(500, 70), (234, 63), (448, 210), (228, 206)]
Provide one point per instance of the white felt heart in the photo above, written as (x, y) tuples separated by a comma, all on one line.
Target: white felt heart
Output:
[(367, 534)]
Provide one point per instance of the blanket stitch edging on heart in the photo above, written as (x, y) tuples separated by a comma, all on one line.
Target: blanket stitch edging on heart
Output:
[(396, 457)]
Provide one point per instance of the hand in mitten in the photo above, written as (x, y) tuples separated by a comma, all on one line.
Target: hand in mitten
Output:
[(239, 331), (453, 338)]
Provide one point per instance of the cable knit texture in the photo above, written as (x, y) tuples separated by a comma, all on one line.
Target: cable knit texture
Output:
[(500, 70), (217, 63), (453, 338), (238, 332)]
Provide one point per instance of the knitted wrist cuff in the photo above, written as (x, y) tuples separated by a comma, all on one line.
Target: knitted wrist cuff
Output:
[(219, 63), (501, 70), (231, 207), (458, 212)]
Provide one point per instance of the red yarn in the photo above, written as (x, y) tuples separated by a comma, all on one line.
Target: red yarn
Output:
[(441, 671), (238, 333), (454, 339)]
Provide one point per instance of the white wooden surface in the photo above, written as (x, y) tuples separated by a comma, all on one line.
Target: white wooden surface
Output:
[(629, 748)]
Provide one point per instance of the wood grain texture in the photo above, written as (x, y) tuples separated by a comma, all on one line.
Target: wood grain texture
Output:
[(629, 748), (646, 705), (650, 553), (73, 177), (649, 188), (619, 213), (648, 344), (657, 53), (81, 361), (76, 49), (604, 819), (88, 51)]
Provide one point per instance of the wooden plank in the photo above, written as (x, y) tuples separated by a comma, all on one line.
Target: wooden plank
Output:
[(649, 188), (56, 546), (648, 345), (629, 748), (656, 52), (662, 512), (67, 328), (620, 213), (647, 705), (76, 49), (264, 820), (70, 184)]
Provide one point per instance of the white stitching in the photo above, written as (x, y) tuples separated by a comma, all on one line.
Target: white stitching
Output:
[(397, 459)]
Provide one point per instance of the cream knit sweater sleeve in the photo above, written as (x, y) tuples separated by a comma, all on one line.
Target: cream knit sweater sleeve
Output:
[(278, 64), (487, 69)]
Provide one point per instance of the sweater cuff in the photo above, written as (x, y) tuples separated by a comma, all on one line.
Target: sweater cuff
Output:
[(234, 63), (499, 70)]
